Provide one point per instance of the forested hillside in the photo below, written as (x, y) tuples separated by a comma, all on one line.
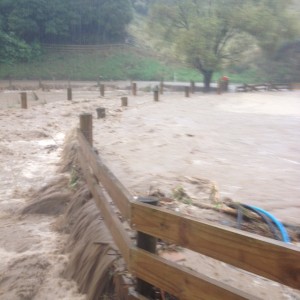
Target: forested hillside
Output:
[(257, 37), (24, 24)]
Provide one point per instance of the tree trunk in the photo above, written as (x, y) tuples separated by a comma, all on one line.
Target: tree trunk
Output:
[(207, 79)]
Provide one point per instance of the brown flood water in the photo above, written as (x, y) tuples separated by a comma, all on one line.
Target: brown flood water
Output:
[(248, 144)]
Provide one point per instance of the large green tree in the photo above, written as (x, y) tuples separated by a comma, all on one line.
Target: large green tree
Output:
[(209, 34)]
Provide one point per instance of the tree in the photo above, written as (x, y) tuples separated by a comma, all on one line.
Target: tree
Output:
[(69, 20), (284, 66), (101, 20), (211, 34), (36, 20), (11, 48)]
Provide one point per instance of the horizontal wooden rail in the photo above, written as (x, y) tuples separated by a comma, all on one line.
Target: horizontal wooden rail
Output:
[(113, 186), (112, 222), (64, 47), (264, 86), (132, 46), (263, 256), (180, 281)]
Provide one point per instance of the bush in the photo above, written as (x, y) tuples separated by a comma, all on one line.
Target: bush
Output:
[(15, 50)]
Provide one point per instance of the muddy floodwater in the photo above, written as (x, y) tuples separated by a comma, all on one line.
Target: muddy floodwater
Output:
[(246, 143)]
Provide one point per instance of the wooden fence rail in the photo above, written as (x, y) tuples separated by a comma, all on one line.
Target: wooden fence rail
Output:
[(68, 48), (262, 256), (264, 87), (271, 259)]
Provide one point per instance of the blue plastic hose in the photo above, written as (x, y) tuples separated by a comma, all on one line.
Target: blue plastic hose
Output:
[(267, 220), (279, 225)]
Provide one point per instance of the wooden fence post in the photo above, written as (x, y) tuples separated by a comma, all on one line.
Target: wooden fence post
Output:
[(124, 101), (69, 92), (192, 86), (187, 91), (100, 112), (102, 90), (148, 243), (161, 87), (134, 88), (156, 95), (24, 100), (219, 88), (86, 126)]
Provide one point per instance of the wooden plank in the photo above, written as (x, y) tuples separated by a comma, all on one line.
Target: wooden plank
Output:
[(263, 256), (180, 281), (113, 186), (112, 222)]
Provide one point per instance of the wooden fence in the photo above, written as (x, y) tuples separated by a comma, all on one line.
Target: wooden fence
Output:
[(262, 256), (83, 48), (131, 46), (264, 87)]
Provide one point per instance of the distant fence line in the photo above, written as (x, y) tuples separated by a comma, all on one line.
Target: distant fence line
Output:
[(70, 47), (101, 47), (131, 46)]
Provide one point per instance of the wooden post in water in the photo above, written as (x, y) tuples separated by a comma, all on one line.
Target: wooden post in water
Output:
[(24, 100), (147, 243), (187, 91), (69, 93), (101, 113), (86, 126), (102, 89), (192, 86), (124, 101), (156, 95), (219, 88), (161, 87), (134, 88)]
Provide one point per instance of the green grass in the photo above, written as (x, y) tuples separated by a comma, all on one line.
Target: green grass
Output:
[(116, 65)]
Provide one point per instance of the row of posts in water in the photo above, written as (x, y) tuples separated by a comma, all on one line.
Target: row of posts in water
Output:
[(158, 90), (24, 102), (124, 100)]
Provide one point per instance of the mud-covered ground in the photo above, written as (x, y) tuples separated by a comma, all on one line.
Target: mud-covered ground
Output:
[(247, 144)]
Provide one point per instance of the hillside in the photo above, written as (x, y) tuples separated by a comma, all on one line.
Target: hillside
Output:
[(123, 63)]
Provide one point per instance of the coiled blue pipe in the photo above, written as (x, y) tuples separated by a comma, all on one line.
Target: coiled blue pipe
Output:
[(279, 225)]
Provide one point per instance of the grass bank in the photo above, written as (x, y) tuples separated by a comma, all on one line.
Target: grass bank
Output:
[(113, 65)]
